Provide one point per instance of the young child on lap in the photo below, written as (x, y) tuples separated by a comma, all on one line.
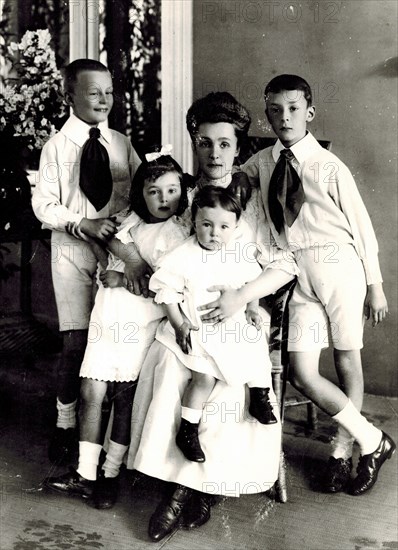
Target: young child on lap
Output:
[(228, 351)]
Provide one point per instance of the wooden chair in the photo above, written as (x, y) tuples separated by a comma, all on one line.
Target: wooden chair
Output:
[(278, 304)]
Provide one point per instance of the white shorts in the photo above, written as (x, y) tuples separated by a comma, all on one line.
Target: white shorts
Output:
[(328, 300), (73, 267)]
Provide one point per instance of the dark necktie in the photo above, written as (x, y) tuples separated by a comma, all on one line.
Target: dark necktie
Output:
[(286, 193), (95, 173)]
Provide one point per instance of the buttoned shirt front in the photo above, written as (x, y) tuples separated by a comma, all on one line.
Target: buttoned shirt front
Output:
[(57, 200), (333, 212)]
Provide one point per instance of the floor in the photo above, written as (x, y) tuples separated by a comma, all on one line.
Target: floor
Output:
[(33, 519)]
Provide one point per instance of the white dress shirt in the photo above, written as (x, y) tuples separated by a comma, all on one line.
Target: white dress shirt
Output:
[(333, 212), (57, 200)]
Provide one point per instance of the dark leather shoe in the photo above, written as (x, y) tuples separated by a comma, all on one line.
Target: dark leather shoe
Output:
[(260, 407), (71, 483), (105, 492), (369, 466), (187, 441), (167, 515), (337, 474), (62, 446), (198, 511)]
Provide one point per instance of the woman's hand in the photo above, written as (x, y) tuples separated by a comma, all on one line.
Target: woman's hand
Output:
[(183, 336), (375, 304), (136, 277), (227, 304)]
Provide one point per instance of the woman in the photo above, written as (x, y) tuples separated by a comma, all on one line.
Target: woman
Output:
[(242, 455)]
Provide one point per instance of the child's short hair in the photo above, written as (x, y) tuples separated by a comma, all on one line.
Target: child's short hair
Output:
[(151, 171), (211, 196), (288, 82), (72, 71), (218, 107)]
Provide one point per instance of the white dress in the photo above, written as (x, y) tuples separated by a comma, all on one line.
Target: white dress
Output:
[(123, 325), (242, 455), (232, 351)]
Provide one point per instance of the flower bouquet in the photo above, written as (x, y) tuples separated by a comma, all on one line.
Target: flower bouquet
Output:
[(31, 108)]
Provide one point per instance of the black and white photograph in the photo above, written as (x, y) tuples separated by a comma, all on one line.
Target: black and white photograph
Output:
[(198, 274)]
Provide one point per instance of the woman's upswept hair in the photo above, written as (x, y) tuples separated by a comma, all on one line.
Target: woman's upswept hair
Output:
[(218, 107), (151, 171), (211, 196)]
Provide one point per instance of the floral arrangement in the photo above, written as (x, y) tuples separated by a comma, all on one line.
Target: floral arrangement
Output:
[(31, 108)]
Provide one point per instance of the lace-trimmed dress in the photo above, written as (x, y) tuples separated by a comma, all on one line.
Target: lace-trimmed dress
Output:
[(242, 455), (232, 351), (123, 325)]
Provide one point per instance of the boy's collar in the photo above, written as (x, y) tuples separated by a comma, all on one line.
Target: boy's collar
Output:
[(78, 131), (301, 150)]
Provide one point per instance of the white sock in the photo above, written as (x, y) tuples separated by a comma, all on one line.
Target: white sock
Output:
[(263, 382), (66, 415), (88, 459), (367, 435), (342, 444), (192, 415), (114, 459)]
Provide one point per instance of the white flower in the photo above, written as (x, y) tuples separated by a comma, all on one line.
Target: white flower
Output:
[(39, 82)]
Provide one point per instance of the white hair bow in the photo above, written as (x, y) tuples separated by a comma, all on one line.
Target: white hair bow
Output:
[(165, 150)]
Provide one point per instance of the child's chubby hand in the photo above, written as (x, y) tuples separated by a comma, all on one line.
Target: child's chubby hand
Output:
[(253, 317), (111, 278), (375, 306), (183, 336)]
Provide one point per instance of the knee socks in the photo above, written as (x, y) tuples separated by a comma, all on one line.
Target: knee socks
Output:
[(367, 435), (342, 444), (114, 459), (66, 415), (89, 454)]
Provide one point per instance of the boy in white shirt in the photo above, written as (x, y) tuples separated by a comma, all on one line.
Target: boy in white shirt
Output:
[(315, 210), (60, 203)]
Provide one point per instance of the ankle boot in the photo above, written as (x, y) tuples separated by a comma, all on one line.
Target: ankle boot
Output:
[(166, 517), (260, 407), (187, 441), (199, 510)]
